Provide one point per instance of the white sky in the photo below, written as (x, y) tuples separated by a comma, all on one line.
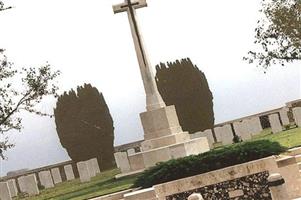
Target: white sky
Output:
[(89, 44)]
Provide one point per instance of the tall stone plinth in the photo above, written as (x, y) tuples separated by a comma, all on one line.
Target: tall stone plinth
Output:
[(164, 140)]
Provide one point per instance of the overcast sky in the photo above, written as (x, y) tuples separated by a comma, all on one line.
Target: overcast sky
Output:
[(89, 44)]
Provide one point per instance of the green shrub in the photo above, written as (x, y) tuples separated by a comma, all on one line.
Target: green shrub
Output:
[(208, 161), (287, 127), (236, 139)]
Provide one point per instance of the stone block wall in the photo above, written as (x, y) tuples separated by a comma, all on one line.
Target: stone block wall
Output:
[(254, 186)]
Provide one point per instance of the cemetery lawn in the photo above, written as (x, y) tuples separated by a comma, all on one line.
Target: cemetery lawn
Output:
[(289, 138), (100, 185), (106, 184)]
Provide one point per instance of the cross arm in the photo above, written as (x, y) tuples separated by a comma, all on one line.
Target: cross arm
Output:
[(124, 6)]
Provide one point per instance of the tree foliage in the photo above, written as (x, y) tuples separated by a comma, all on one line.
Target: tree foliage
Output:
[(182, 84), (278, 33), (3, 7), (21, 90), (85, 126)]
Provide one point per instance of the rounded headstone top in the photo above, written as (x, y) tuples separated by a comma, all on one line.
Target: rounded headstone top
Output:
[(195, 196)]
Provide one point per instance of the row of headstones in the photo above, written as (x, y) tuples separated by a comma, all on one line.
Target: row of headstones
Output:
[(277, 126), (225, 134), (48, 179), (247, 128)]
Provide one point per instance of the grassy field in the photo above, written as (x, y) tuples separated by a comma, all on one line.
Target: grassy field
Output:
[(106, 184), (289, 138), (100, 185)]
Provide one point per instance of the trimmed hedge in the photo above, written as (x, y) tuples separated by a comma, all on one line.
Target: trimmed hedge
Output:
[(208, 161)]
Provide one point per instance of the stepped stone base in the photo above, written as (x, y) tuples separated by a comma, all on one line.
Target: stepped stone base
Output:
[(164, 140), (143, 160)]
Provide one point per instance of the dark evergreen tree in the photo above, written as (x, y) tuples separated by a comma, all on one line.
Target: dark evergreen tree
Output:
[(85, 126), (182, 84)]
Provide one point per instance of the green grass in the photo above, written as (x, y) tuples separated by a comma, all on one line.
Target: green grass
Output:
[(106, 184), (289, 138), (100, 185)]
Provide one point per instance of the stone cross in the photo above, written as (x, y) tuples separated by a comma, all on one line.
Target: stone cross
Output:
[(153, 98)]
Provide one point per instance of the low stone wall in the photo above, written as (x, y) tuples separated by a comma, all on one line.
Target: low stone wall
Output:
[(214, 180), (249, 187), (31, 183), (232, 182)]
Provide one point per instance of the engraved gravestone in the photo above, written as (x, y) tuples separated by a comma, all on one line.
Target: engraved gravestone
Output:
[(56, 175), (297, 115), (46, 179), (12, 187), (69, 172), (275, 123), (83, 171), (122, 162), (31, 185), (4, 191)]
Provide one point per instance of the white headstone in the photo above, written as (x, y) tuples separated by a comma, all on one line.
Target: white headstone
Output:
[(275, 123), (257, 128), (83, 171), (224, 134), (46, 179), (4, 191), (131, 152), (95, 165), (207, 133), (247, 127), (284, 118), (69, 172), (122, 161), (12, 187), (31, 185), (218, 133), (297, 115), (91, 168), (242, 131), (56, 175), (22, 183), (253, 126)]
